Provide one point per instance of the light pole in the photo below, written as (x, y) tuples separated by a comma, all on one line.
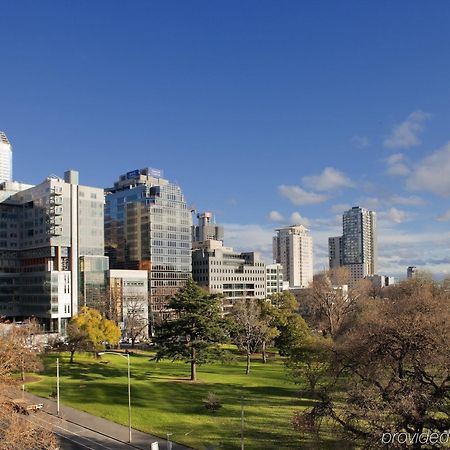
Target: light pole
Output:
[(127, 355), (57, 386)]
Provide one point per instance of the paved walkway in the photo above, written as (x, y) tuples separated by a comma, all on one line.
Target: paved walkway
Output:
[(87, 422)]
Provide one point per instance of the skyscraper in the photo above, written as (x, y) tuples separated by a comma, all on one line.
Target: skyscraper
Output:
[(293, 248), (358, 244), (149, 226), (5, 158)]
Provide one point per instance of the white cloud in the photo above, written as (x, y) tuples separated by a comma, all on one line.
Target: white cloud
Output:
[(299, 196), (406, 134), (394, 215), (372, 203), (275, 216), (397, 165), (411, 200), (297, 219), (444, 217), (340, 208), (249, 238), (329, 180), (360, 141), (432, 173)]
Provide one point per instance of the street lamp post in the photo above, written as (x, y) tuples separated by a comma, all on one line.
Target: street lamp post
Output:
[(57, 386), (129, 388)]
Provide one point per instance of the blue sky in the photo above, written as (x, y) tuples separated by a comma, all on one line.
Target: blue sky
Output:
[(265, 112)]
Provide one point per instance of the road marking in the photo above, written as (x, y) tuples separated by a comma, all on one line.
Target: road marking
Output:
[(56, 425)]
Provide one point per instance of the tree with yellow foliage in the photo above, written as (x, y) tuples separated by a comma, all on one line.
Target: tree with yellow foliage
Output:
[(90, 331)]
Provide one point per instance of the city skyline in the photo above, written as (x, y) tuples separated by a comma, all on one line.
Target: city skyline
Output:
[(267, 123)]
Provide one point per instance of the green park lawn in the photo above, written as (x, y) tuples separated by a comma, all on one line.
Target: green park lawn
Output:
[(164, 400)]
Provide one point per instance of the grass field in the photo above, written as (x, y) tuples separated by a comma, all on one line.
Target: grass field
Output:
[(163, 400)]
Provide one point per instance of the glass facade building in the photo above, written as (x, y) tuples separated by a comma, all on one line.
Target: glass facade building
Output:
[(148, 226), (356, 249)]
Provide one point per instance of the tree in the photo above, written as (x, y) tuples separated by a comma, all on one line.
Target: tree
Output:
[(333, 299), (250, 330), (292, 328), (194, 336), (394, 366), (88, 331), (77, 340), (310, 361), (17, 355), (136, 320)]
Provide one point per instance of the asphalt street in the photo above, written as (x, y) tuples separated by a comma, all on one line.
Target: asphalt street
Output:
[(79, 430)]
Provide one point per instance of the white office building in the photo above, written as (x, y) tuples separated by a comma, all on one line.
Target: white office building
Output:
[(5, 158), (235, 275), (129, 302), (274, 279), (293, 249), (51, 250)]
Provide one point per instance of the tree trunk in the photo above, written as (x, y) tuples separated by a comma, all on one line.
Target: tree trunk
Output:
[(263, 353), (247, 370), (132, 342), (193, 365), (72, 352)]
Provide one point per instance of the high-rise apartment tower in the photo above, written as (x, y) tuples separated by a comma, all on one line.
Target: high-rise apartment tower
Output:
[(357, 249), (293, 249), (5, 158)]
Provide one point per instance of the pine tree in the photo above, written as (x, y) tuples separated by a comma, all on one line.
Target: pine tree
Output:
[(194, 336)]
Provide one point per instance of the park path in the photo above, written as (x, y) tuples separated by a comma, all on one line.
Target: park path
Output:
[(79, 424)]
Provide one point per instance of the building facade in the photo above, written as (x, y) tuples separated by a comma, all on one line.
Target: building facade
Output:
[(5, 158), (148, 226), (235, 275), (206, 229), (129, 302), (411, 272), (274, 279), (358, 245), (293, 249), (335, 252), (45, 232)]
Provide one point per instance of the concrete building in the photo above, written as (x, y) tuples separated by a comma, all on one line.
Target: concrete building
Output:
[(5, 158), (221, 270), (335, 252), (148, 226), (274, 279), (206, 229), (411, 272), (293, 249), (129, 302), (381, 281), (45, 232), (357, 249)]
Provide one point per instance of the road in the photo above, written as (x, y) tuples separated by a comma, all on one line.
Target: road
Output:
[(82, 431), (76, 437)]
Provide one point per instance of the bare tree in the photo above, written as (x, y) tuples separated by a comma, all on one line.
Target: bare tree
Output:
[(136, 321), (250, 329), (18, 355), (17, 432), (394, 365), (332, 299)]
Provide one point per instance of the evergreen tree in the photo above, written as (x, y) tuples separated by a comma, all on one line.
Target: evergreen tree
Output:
[(194, 336)]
